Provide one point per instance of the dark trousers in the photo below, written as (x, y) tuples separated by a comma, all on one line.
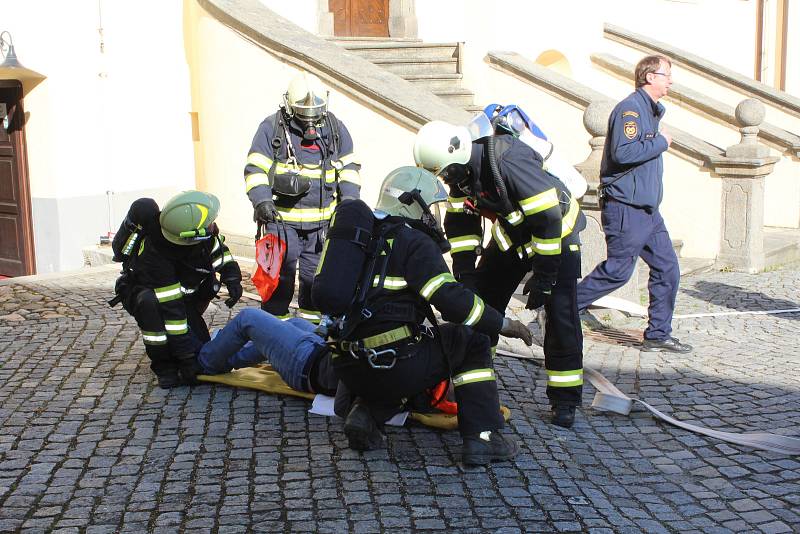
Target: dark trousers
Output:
[(634, 233), (303, 247), (498, 276), (463, 354), (142, 303)]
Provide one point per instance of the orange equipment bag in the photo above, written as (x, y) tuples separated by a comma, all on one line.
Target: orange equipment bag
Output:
[(439, 398), (270, 251)]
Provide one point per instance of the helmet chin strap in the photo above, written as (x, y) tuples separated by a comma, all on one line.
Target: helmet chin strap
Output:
[(428, 221)]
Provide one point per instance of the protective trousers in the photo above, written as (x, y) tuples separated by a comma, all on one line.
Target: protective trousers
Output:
[(303, 246), (461, 354), (496, 279), (632, 233)]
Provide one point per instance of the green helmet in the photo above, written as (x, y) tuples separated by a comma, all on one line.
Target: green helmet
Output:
[(186, 217), (406, 180)]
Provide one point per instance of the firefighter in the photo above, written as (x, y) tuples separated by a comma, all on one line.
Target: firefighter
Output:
[(171, 259), (300, 165), (492, 173), (383, 352)]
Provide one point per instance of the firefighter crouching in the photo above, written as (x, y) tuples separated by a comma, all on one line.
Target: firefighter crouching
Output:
[(170, 263), (536, 222), (382, 351), (299, 166)]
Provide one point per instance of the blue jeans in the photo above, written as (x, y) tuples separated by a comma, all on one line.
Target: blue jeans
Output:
[(255, 336)]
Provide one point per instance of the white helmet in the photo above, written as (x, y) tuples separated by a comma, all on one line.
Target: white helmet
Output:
[(439, 144), (306, 98)]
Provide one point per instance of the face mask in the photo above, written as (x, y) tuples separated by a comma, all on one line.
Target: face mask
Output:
[(459, 175)]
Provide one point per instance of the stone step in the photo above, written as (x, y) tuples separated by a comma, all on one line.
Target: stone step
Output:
[(781, 246), (432, 82), (349, 41), (404, 66), (457, 96), (417, 52)]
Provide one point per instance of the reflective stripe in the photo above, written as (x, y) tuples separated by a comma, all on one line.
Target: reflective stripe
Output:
[(564, 379), (434, 284), (348, 159), (390, 282), (574, 248), (154, 338), (307, 214), (455, 204), (128, 248), (188, 290), (322, 256), (540, 202), (222, 260), (259, 160), (309, 315), (306, 170), (255, 179), (476, 312), (168, 293), (177, 327), (547, 247), (464, 243), (350, 175), (470, 377), (501, 237), (515, 217), (392, 336), (284, 317), (568, 222)]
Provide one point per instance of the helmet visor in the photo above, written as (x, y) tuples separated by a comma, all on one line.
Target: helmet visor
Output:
[(310, 108), (480, 126)]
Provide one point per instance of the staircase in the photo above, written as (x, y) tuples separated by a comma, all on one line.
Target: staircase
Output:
[(434, 66)]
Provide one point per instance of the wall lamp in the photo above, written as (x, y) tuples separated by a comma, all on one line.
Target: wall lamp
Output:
[(12, 69)]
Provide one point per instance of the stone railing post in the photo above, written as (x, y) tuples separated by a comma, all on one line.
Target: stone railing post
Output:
[(593, 241), (742, 170)]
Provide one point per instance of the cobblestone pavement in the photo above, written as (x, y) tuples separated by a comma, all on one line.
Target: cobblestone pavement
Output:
[(90, 444)]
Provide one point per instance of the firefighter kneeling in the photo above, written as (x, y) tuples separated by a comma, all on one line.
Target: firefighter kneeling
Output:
[(383, 353)]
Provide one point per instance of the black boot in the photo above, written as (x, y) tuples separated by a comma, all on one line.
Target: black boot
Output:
[(188, 369), (487, 447), (168, 379), (563, 416), (362, 431)]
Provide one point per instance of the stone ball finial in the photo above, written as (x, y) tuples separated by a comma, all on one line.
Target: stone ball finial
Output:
[(595, 118), (750, 112)]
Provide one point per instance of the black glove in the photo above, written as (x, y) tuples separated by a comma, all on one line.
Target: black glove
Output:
[(188, 368), (538, 292), (234, 291), (266, 212)]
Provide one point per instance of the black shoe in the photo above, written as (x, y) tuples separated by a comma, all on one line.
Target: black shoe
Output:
[(169, 379), (188, 369), (563, 416), (671, 344), (487, 447), (361, 429)]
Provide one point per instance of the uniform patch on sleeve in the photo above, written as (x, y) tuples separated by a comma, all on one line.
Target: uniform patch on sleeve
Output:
[(630, 129), (630, 114)]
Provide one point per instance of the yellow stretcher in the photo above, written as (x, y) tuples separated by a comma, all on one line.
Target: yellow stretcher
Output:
[(265, 378)]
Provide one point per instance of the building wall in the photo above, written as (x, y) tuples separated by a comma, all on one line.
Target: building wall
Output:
[(112, 120)]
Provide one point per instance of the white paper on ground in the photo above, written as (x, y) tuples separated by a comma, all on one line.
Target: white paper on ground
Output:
[(323, 405), (616, 303)]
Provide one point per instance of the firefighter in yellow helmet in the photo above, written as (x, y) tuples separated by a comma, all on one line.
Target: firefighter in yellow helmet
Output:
[(300, 165)]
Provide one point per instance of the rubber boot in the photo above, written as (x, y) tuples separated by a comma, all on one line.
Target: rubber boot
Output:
[(487, 447), (168, 379), (362, 431), (563, 416)]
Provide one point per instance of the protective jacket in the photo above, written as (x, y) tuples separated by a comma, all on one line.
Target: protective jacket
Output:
[(173, 272), (543, 210), (632, 168), (328, 162)]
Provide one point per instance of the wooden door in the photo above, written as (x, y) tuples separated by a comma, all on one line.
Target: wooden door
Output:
[(16, 230), (360, 18)]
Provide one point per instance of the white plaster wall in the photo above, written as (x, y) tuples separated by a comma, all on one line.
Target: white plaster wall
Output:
[(228, 119), (116, 120), (793, 50), (301, 12)]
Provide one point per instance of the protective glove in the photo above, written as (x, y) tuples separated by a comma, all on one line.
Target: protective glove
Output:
[(538, 292), (266, 212), (234, 291), (514, 328)]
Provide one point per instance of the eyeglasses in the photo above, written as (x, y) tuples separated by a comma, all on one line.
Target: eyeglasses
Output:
[(663, 74)]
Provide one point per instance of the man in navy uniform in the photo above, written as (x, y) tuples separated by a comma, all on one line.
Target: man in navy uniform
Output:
[(631, 189)]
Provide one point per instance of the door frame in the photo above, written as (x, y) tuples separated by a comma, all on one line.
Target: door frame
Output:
[(402, 19), (23, 185)]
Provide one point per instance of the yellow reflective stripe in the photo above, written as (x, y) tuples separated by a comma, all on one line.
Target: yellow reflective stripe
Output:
[(168, 293), (322, 256), (564, 379), (350, 175), (515, 217), (306, 170), (476, 312), (348, 159), (309, 315), (154, 338), (392, 336), (501, 237), (574, 247), (464, 243), (128, 248), (284, 317), (188, 290), (470, 377), (540, 202), (391, 282), (225, 258), (259, 160), (216, 246), (432, 285), (177, 327), (568, 222), (455, 204), (547, 247), (255, 179), (306, 214)]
